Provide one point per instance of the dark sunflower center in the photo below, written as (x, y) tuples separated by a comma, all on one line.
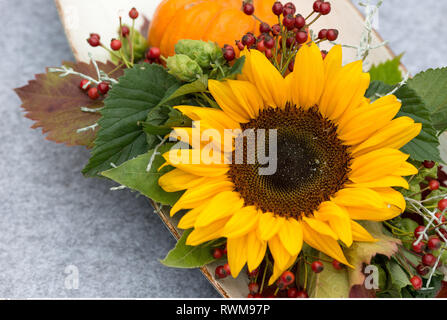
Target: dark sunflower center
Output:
[(312, 163)]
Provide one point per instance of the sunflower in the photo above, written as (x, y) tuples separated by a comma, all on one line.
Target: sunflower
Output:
[(338, 160)]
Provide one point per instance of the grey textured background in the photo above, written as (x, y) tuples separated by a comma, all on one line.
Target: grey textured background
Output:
[(52, 217)]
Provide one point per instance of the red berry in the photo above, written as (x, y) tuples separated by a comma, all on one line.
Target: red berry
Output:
[(239, 45), (125, 31), (261, 46), (253, 288), (290, 42), (154, 53), (443, 232), (433, 185), (332, 34), (337, 265), (324, 54), (418, 231), (288, 278), (429, 164), (269, 42), (300, 22), (289, 8), (292, 293), (103, 87), (442, 204), (85, 84), (250, 296), (277, 8), (264, 28), (302, 294), (249, 9), (434, 243), (428, 260), (225, 250), (291, 65), (227, 269), (253, 273), (422, 270), (322, 34), (248, 40), (276, 29), (418, 248), (317, 5), (317, 266), (289, 22), (301, 37), (115, 44), (268, 53), (93, 93), (229, 54), (133, 13), (416, 281), (440, 217), (220, 272), (94, 40), (325, 8), (217, 253)]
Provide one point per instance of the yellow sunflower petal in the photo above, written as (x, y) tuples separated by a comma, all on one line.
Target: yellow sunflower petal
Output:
[(406, 169), (362, 213), (324, 244), (360, 197), (215, 118), (280, 255), (177, 180), (291, 236), (195, 196), (189, 219), (237, 254), (211, 232), (394, 135), (320, 227), (255, 251), (389, 181), (391, 196), (269, 225), (333, 62), (360, 234), (308, 76), (221, 206), (248, 96), (368, 119), (353, 83), (376, 164), (193, 164), (243, 221), (265, 77), (338, 219)]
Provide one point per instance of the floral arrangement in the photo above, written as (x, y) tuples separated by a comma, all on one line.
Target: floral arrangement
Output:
[(288, 170)]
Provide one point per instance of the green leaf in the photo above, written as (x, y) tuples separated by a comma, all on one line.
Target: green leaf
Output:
[(426, 144), (431, 86), (387, 72), (399, 278), (134, 175), (236, 68), (161, 120), (183, 256), (200, 85), (121, 137)]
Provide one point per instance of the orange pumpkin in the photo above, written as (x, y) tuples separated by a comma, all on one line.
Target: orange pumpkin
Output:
[(221, 21)]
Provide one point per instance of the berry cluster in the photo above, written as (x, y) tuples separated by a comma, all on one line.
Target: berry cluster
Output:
[(281, 42), (94, 92), (153, 55)]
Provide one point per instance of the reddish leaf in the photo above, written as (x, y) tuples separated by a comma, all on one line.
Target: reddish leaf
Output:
[(54, 103)]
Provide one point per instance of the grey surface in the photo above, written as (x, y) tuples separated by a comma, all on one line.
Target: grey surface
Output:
[(52, 217)]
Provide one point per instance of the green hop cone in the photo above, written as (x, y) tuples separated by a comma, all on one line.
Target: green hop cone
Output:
[(204, 53), (184, 68)]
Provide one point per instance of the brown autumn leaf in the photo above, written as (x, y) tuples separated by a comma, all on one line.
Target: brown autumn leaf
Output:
[(54, 103), (361, 253)]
